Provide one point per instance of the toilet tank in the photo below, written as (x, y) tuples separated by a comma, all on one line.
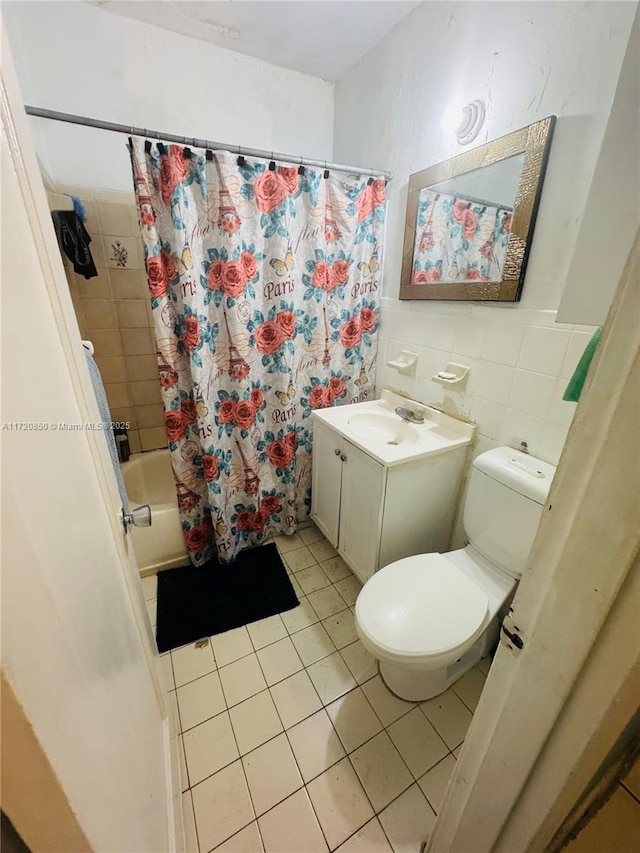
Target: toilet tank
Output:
[(507, 490)]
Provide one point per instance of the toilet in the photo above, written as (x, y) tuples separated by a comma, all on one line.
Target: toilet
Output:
[(429, 618)]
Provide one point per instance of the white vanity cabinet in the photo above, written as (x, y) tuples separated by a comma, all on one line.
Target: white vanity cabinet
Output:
[(374, 513)]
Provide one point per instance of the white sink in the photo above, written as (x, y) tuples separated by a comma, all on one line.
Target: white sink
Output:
[(374, 427), (383, 428)]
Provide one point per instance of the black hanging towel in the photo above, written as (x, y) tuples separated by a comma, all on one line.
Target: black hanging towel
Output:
[(74, 240)]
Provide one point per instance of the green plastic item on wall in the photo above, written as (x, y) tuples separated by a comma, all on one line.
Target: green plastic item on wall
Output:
[(576, 383)]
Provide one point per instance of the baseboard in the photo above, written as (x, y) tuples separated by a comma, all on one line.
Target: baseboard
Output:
[(175, 817)]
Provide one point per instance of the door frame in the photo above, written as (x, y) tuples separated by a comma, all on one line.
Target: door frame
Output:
[(547, 720)]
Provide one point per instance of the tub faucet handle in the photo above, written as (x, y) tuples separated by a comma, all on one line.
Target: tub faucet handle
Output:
[(138, 517)]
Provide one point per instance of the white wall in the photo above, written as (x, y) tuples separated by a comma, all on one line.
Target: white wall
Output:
[(80, 59), (526, 61)]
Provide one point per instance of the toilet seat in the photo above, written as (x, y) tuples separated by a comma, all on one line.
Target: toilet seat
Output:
[(421, 607)]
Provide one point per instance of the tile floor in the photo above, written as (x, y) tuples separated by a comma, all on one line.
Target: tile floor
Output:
[(289, 740)]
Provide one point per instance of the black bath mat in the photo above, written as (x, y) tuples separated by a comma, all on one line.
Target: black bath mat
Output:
[(197, 602)]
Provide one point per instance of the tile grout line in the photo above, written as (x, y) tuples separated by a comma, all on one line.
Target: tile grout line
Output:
[(295, 758)]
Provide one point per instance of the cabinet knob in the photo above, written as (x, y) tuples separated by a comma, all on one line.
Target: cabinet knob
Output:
[(343, 458), (337, 452)]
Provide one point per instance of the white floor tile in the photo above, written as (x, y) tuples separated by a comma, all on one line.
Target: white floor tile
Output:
[(288, 543), (231, 646), (369, 839), (457, 751), (266, 631), (165, 673), (296, 587), (199, 700), (331, 678), (335, 569), (190, 662), (279, 660), (292, 827), (449, 716), (408, 821), (326, 602), (322, 550), (300, 559), (310, 534), (242, 679), (349, 588), (295, 699), (190, 835), (417, 742), (272, 773), (381, 770), (434, 783), (469, 688), (209, 747), (150, 587), (255, 721), (299, 617), (312, 644), (386, 705), (353, 718), (361, 663), (246, 841), (339, 802), (222, 806), (315, 745), (341, 628), (312, 578)]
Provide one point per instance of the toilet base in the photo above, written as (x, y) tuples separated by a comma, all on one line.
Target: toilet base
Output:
[(416, 685)]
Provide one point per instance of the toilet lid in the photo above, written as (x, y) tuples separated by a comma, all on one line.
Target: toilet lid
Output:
[(421, 605)]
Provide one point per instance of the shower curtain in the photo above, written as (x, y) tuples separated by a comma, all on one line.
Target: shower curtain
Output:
[(264, 285), (458, 239)]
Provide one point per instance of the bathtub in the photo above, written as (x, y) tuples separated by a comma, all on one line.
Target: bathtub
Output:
[(149, 480)]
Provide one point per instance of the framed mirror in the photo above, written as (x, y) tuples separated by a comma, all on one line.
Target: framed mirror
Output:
[(470, 219)]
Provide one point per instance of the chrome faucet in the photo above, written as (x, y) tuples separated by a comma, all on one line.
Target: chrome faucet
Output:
[(415, 416)]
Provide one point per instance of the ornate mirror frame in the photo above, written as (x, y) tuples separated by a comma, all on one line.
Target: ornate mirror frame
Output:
[(533, 141)]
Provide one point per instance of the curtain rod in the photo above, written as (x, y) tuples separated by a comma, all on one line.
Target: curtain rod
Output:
[(85, 121)]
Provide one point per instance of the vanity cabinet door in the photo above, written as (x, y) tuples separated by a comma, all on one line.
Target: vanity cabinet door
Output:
[(326, 481), (363, 488)]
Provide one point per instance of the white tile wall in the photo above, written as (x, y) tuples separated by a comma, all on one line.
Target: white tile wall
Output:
[(520, 362)]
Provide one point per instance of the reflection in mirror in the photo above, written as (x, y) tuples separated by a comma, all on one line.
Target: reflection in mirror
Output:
[(464, 223), (470, 220)]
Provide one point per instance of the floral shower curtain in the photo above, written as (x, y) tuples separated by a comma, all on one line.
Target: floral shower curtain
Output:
[(264, 286), (458, 239)]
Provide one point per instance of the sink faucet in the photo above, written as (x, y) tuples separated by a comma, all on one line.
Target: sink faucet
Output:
[(416, 416)]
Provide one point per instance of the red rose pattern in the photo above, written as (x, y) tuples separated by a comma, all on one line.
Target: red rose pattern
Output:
[(174, 168), (351, 333), (210, 466), (269, 337), (287, 323), (368, 319), (245, 414), (227, 411), (280, 453), (249, 265), (426, 276), (270, 504), (192, 333), (175, 425), (157, 276), (257, 398), (270, 191), (319, 397)]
